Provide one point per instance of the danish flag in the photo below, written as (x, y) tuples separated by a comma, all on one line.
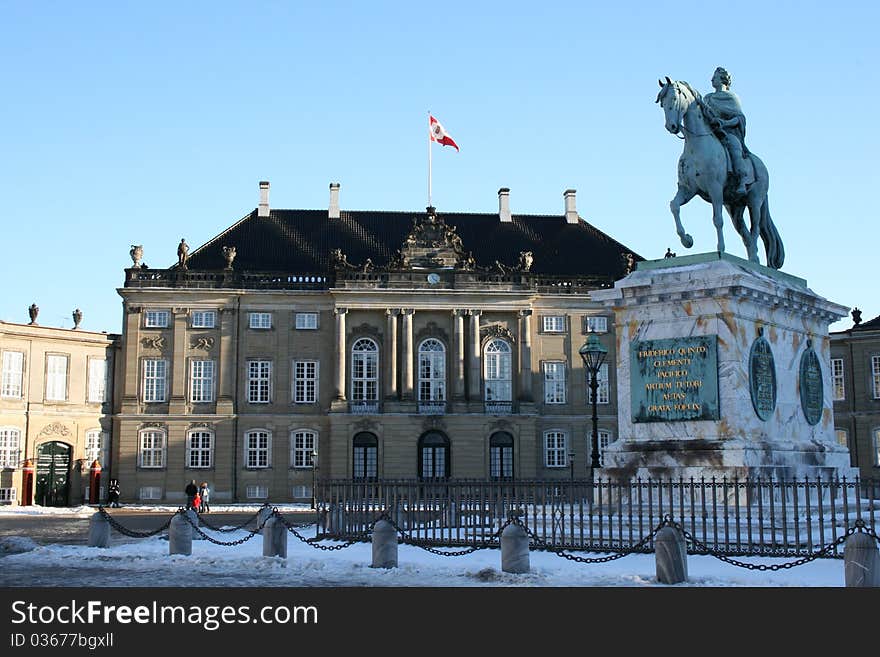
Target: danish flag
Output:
[(439, 134)]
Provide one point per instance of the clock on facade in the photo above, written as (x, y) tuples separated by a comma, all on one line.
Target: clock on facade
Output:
[(433, 279)]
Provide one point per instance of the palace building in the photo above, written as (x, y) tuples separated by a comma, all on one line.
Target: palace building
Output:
[(364, 345)]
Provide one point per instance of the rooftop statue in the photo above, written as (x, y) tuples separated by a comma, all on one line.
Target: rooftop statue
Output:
[(182, 254), (717, 166)]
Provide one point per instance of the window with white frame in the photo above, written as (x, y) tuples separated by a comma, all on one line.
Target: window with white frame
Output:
[(201, 381), (259, 381), (10, 447), (96, 447), (156, 319), (155, 377), (837, 382), (595, 324), (554, 382), (307, 321), (302, 443), (497, 371), (257, 492), (603, 391), (301, 492), (151, 448), (553, 324), (204, 318), (364, 370), (150, 493), (199, 448), (875, 376), (432, 370), (305, 381), (604, 439), (97, 380), (257, 448), (877, 447), (56, 377), (13, 368), (260, 320), (555, 443), (7, 495)]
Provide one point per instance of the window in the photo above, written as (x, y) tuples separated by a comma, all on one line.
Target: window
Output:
[(365, 457), (199, 448), (10, 441), (603, 391), (301, 492), (496, 375), (156, 319), (56, 377), (306, 321), (554, 382), (604, 437), (364, 370), (841, 436), (594, 324), (875, 375), (837, 383), (7, 495), (256, 448), (97, 380), (204, 318), (305, 381), (501, 455), (257, 492), (201, 381), (553, 324), (302, 443), (554, 449), (96, 447), (260, 320), (150, 493), (432, 371), (259, 381), (13, 367), (877, 447), (151, 453), (154, 380), (433, 456)]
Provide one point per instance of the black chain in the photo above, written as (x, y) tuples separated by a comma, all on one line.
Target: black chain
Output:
[(313, 541), (624, 552), (227, 530), (130, 532), (250, 535), (409, 540)]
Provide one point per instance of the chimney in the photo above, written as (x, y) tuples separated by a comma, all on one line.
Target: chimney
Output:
[(263, 208), (334, 201), (571, 213), (504, 205)]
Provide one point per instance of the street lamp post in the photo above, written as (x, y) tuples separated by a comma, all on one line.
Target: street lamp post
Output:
[(315, 479), (593, 354)]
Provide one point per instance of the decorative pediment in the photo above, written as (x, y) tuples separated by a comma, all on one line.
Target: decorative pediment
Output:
[(496, 330), (204, 343), (431, 330), (153, 342), (366, 330), (431, 244), (366, 425), (56, 428), (434, 423)]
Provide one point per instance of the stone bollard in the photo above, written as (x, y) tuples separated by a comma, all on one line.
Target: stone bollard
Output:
[(670, 551), (193, 515), (274, 538), (514, 549), (180, 536), (384, 545), (99, 531), (263, 515), (861, 561)]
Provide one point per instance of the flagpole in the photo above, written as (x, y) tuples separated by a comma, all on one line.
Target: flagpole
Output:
[(429, 158)]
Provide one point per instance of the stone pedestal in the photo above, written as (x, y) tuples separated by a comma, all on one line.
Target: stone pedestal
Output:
[(724, 371)]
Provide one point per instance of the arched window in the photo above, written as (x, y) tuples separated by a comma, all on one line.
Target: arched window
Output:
[(365, 370), (433, 456), (501, 455), (432, 371), (496, 371), (365, 457), (199, 448)]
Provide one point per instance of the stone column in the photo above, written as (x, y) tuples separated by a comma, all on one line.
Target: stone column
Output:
[(458, 354), (391, 353), (178, 364), (341, 356), (474, 392), (131, 381), (227, 361), (406, 364), (525, 355)]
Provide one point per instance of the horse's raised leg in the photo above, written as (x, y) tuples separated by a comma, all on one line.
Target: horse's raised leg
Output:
[(718, 217), (755, 232), (681, 197)]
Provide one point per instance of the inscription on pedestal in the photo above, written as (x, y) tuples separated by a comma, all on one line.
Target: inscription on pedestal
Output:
[(674, 379), (811, 386), (762, 378)]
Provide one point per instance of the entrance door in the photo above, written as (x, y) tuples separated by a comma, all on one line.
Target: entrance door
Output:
[(53, 474)]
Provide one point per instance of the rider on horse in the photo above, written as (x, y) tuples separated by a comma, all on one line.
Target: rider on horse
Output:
[(724, 114)]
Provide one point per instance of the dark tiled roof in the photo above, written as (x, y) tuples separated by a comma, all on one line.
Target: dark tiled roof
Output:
[(872, 325), (300, 241)]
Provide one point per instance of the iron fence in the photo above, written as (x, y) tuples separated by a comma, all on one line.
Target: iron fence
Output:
[(724, 516)]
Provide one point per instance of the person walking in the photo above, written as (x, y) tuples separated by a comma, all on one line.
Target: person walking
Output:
[(191, 491), (205, 494)]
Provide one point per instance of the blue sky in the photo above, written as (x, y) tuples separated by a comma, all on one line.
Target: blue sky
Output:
[(142, 123)]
